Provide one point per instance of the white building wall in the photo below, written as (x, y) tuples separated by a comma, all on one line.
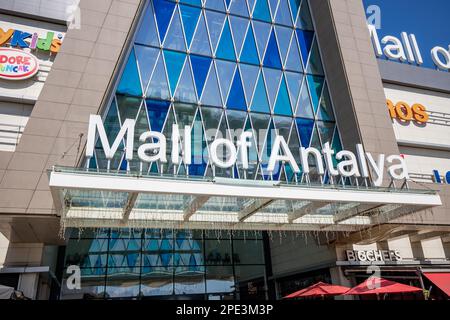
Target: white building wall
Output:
[(403, 245), (433, 249), (49, 9)]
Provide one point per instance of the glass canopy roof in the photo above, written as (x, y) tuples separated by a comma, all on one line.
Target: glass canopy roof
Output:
[(85, 198)]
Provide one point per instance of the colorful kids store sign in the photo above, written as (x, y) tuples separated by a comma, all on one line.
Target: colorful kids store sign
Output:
[(17, 65), (15, 62)]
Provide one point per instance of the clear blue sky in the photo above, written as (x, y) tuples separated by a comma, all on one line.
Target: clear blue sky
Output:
[(429, 20)]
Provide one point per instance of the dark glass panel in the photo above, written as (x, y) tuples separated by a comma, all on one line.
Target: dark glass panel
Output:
[(219, 279)]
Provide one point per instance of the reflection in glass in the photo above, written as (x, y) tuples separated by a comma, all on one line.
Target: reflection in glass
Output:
[(248, 252), (169, 262), (219, 279), (189, 282), (92, 285), (87, 253), (120, 282), (157, 281)]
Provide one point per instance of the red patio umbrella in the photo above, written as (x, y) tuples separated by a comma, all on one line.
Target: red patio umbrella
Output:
[(319, 289), (375, 285)]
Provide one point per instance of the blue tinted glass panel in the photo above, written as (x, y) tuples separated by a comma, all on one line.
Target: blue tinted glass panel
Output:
[(163, 12), (294, 82), (146, 59), (272, 57), (225, 50), (130, 84), (239, 29), (262, 33), (225, 72), (147, 31), (215, 22), (261, 11), (175, 38), (236, 98), (284, 38), (249, 75), (215, 4), (315, 87), (190, 16), (325, 108), (295, 6), (260, 102), (239, 7), (304, 108), (283, 15), (315, 63), (326, 130), (305, 39), (200, 43), (272, 78), (211, 92), (185, 91), (157, 113), (174, 65), (282, 105), (158, 87), (304, 20), (273, 6), (305, 129), (197, 3), (293, 60), (249, 52), (200, 67)]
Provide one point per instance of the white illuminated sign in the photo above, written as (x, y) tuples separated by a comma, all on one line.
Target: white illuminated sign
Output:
[(406, 49), (154, 146)]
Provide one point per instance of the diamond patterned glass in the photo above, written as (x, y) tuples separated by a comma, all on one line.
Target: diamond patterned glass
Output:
[(230, 66)]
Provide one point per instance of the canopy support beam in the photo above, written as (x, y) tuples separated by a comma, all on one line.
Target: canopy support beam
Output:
[(353, 212), (192, 207), (309, 208), (255, 206), (132, 197)]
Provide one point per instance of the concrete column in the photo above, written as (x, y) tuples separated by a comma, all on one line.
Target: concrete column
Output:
[(4, 244), (433, 249), (24, 255), (353, 76), (28, 284), (338, 277)]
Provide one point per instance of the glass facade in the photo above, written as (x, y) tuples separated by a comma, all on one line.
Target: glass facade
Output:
[(165, 264), (223, 67)]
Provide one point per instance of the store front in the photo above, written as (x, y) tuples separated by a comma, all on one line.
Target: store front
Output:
[(166, 264)]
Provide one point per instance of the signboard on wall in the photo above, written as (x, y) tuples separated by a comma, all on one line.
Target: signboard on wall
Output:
[(19, 50), (410, 32), (403, 111), (373, 255), (26, 40), (17, 65)]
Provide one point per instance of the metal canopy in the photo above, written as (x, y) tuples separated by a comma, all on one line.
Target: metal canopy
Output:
[(85, 198)]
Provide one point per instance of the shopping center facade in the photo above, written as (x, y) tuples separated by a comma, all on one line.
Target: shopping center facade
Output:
[(216, 150)]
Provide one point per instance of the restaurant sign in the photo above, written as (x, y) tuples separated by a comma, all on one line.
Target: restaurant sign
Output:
[(373, 255), (17, 64)]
